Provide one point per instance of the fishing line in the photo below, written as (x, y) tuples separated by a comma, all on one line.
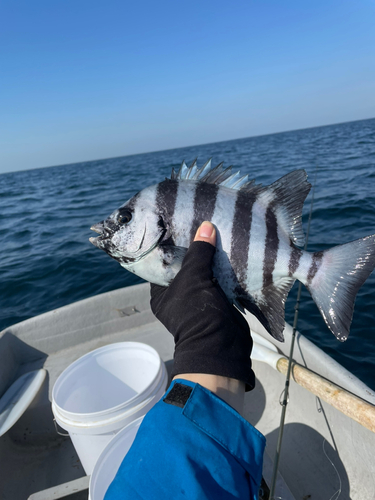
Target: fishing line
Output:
[(337, 493), (320, 409), (285, 400)]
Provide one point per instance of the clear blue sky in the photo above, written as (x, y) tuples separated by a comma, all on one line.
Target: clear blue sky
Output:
[(82, 80)]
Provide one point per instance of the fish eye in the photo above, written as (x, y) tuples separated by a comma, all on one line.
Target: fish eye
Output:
[(124, 217)]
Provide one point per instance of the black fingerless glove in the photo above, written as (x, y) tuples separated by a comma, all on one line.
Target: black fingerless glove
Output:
[(211, 335)]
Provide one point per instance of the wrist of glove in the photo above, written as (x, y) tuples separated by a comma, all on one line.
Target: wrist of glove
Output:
[(211, 335)]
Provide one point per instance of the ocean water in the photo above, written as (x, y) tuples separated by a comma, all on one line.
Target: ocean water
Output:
[(47, 260)]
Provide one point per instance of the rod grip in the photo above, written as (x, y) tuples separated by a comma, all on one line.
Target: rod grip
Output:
[(354, 407)]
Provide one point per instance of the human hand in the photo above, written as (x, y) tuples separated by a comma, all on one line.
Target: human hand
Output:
[(212, 337)]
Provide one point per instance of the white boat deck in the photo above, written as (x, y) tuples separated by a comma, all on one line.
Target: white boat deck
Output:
[(323, 450)]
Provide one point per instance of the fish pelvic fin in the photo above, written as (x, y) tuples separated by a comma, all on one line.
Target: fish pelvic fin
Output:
[(268, 306), (335, 279)]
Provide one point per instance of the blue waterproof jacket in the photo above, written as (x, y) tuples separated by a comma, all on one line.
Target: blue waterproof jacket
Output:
[(191, 445)]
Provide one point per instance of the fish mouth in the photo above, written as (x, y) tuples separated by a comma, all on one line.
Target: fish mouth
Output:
[(104, 234)]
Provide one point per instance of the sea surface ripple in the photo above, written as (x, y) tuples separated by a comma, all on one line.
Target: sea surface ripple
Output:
[(46, 214)]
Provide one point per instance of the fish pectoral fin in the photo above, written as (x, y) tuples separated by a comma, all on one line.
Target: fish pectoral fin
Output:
[(173, 256), (179, 255), (268, 306)]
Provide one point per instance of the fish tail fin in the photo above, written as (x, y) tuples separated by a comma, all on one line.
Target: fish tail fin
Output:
[(334, 279)]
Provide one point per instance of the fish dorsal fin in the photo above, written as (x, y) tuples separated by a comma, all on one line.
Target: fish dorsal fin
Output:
[(181, 172), (193, 169), (217, 175), (268, 306), (287, 196)]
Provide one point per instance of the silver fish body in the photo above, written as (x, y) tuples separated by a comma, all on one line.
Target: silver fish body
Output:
[(259, 232)]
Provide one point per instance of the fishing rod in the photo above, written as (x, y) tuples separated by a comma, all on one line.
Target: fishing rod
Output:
[(285, 401)]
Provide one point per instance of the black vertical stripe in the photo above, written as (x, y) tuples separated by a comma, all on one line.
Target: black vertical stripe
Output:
[(241, 228), (166, 197), (315, 264), (271, 246), (295, 257), (204, 205)]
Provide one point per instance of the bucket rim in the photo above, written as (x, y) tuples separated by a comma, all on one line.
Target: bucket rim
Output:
[(96, 420), (74, 418)]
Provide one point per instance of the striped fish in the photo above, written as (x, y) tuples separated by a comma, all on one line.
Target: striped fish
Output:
[(259, 235)]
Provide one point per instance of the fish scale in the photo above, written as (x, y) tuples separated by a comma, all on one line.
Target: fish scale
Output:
[(183, 216), (254, 274), (259, 230), (240, 240), (223, 217), (204, 204)]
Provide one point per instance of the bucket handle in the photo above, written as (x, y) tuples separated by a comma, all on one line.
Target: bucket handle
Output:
[(57, 430)]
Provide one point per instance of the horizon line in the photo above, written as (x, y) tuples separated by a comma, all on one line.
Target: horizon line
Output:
[(183, 147)]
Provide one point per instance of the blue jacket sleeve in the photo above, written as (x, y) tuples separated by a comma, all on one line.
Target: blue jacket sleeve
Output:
[(198, 449)]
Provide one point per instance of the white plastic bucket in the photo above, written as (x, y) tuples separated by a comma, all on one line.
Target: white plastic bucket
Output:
[(110, 460), (105, 390)]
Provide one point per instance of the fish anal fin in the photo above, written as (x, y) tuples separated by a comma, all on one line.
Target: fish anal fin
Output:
[(248, 303), (268, 306)]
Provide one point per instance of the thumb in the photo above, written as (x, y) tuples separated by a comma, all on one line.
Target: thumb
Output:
[(206, 232)]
